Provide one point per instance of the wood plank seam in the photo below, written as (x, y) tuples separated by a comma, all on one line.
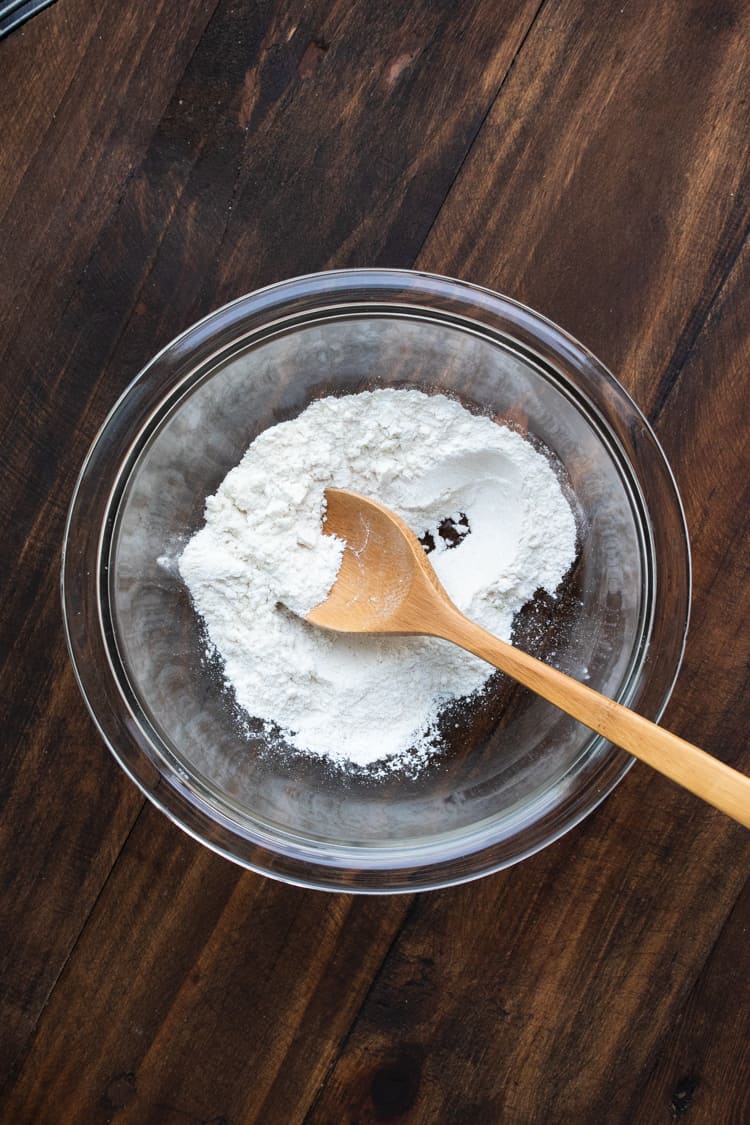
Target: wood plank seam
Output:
[(127, 178), (51, 122), (19, 1061), (116, 207), (244, 156), (355, 1018), (692, 991), (479, 129), (62, 101), (693, 329)]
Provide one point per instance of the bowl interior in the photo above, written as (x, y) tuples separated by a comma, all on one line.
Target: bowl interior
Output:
[(509, 759)]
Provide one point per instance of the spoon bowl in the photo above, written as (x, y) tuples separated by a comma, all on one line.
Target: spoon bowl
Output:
[(379, 586)]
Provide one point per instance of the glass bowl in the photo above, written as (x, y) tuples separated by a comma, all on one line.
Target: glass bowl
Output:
[(515, 773)]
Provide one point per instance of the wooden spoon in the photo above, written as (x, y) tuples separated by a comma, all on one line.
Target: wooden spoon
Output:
[(387, 585)]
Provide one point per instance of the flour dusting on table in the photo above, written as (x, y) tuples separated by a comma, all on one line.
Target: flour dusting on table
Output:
[(484, 501)]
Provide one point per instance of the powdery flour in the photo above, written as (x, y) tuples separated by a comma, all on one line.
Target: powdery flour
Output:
[(262, 553)]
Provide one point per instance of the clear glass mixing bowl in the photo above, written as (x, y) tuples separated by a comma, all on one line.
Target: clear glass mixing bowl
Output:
[(516, 773)]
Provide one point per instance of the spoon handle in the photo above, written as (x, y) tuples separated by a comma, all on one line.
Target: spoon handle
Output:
[(694, 769)]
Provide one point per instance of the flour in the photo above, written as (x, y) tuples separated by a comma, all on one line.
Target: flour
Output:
[(488, 504)]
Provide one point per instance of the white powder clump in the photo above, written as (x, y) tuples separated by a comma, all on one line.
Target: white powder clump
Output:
[(357, 699)]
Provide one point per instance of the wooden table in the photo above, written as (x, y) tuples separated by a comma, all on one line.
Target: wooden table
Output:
[(159, 157)]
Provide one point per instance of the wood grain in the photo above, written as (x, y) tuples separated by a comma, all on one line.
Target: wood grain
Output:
[(565, 1004), (221, 983), (590, 158), (135, 180), (609, 186), (702, 1068), (55, 196)]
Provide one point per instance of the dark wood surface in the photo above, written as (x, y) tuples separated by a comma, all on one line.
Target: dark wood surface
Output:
[(162, 156)]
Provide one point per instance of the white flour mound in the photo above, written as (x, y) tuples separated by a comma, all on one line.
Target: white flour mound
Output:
[(360, 700)]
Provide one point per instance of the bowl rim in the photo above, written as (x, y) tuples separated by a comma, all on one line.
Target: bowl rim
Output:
[(165, 789)]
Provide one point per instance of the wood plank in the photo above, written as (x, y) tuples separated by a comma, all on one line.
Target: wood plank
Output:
[(600, 940), (48, 50), (561, 1011), (54, 860), (703, 1066), (264, 90), (199, 991), (610, 186), (117, 93), (65, 164), (423, 78)]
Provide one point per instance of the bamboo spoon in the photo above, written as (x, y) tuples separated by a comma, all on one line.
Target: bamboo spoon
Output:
[(387, 585)]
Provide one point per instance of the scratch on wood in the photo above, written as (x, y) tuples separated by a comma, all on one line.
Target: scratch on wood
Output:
[(312, 57), (250, 95), (401, 63)]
